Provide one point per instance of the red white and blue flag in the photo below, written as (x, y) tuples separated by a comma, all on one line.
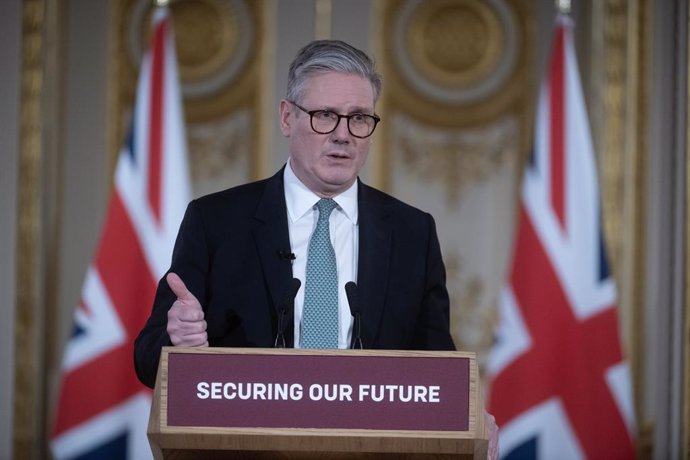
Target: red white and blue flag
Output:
[(560, 385), (103, 410)]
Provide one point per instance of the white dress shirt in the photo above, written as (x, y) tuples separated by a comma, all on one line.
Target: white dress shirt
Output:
[(302, 218)]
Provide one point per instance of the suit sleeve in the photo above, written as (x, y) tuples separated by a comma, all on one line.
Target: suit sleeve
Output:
[(190, 262), (433, 325)]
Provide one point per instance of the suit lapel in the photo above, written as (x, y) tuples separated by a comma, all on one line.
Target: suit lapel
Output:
[(374, 260), (271, 236)]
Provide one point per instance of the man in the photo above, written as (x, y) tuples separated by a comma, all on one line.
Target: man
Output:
[(238, 250)]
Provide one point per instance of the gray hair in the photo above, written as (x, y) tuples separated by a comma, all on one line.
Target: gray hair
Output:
[(323, 56)]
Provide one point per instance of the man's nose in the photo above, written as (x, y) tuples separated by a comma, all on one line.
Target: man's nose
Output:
[(341, 134)]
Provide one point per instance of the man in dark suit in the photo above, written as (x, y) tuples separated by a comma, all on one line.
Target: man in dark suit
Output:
[(238, 250)]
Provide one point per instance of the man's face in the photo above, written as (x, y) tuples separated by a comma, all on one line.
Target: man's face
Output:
[(328, 163)]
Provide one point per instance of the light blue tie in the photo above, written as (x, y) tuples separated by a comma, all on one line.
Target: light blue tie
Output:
[(320, 313)]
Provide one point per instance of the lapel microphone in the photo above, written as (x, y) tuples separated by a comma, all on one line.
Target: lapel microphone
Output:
[(286, 256)]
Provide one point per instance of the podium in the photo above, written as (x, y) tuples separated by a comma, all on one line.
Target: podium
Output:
[(218, 403)]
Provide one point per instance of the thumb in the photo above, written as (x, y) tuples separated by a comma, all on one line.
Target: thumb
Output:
[(179, 288)]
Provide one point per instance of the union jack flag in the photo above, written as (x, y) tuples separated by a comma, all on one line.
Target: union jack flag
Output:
[(103, 410), (560, 386)]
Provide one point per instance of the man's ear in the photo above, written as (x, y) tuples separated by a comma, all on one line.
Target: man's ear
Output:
[(284, 111)]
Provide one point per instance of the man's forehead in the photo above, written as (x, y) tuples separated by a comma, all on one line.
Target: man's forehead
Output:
[(338, 89)]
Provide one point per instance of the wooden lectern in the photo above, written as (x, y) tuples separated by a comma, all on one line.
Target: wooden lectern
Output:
[(214, 403)]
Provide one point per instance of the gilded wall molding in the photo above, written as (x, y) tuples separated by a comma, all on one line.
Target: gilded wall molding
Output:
[(621, 29), (219, 47), (459, 157), (27, 383), (457, 66), (324, 22), (449, 55), (471, 321), (455, 52), (458, 114)]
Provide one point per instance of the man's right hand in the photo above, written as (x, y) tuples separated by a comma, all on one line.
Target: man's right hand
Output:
[(186, 324)]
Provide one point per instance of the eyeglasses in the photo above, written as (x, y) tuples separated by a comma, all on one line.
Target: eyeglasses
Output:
[(360, 125)]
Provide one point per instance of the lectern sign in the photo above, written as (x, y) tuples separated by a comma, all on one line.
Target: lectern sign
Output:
[(302, 390)]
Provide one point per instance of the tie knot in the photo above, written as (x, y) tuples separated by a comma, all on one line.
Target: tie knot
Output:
[(325, 206)]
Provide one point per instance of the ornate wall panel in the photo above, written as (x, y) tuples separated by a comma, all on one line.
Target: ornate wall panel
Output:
[(457, 104), (219, 45), (620, 79), (28, 375)]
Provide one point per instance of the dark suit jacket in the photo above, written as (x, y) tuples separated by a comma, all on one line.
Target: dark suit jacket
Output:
[(227, 253)]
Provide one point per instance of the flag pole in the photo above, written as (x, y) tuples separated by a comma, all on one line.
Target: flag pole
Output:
[(563, 6)]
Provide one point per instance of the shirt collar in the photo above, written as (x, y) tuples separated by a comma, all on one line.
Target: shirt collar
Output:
[(299, 199)]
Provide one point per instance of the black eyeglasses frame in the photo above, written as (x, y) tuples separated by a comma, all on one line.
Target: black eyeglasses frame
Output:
[(311, 114)]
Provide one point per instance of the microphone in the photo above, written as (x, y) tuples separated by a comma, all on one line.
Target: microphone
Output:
[(286, 256), (286, 306), (353, 300)]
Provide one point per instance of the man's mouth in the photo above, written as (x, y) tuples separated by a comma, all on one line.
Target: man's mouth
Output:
[(338, 155)]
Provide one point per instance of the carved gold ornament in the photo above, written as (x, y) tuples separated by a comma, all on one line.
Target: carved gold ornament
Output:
[(455, 51), (456, 158)]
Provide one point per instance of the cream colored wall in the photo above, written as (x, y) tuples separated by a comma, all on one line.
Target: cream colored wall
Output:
[(662, 406), (294, 26), (84, 170)]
